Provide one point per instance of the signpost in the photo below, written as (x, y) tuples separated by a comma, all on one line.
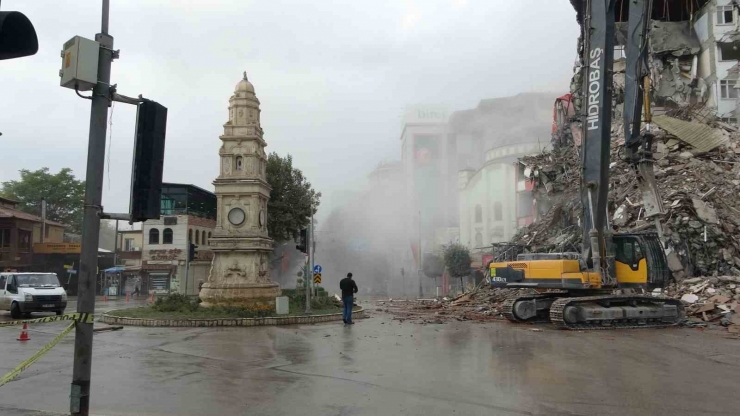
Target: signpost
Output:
[(317, 278), (317, 269)]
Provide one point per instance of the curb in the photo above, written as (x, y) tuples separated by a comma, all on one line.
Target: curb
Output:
[(283, 320)]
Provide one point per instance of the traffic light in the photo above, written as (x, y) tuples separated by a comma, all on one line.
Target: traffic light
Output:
[(191, 252), (302, 241), (17, 36), (146, 178)]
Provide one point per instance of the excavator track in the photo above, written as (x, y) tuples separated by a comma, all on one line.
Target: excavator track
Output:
[(508, 306), (670, 317)]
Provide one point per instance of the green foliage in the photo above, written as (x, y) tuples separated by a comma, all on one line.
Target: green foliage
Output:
[(256, 311), (457, 260), (433, 265), (292, 200), (179, 303), (63, 193), (176, 302), (297, 299)]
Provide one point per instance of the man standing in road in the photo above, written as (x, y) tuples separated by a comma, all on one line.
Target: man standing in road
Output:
[(349, 288)]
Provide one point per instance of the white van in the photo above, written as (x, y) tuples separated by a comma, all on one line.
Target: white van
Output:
[(23, 293)]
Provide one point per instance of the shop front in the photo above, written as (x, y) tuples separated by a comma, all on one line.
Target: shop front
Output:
[(157, 277)]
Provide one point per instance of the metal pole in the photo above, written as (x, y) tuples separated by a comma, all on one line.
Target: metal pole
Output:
[(43, 218), (313, 256), (308, 273), (115, 248), (421, 266), (80, 389), (187, 272)]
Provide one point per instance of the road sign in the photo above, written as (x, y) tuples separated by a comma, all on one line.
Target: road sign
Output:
[(317, 278), (317, 269)]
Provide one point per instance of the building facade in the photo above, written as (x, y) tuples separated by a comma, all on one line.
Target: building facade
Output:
[(19, 232), (494, 201), (188, 215), (716, 27), (428, 170), (130, 244)]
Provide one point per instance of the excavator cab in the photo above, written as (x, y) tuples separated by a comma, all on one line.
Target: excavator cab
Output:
[(639, 261)]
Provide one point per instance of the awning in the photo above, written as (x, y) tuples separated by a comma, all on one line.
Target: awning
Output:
[(114, 269)]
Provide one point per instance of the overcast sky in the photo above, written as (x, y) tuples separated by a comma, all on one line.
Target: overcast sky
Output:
[(333, 77)]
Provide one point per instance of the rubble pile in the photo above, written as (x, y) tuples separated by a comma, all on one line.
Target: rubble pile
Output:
[(699, 182), (484, 304), (710, 300)]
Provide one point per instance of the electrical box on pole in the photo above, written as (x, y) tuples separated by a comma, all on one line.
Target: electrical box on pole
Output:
[(146, 179), (79, 64)]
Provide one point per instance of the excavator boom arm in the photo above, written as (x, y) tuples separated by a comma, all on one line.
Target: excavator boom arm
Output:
[(598, 35)]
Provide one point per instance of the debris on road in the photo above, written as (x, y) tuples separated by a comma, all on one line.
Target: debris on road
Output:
[(484, 304), (710, 300)]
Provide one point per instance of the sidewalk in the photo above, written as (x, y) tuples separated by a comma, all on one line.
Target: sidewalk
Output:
[(100, 298)]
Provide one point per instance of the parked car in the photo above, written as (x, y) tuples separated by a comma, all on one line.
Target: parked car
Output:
[(23, 293)]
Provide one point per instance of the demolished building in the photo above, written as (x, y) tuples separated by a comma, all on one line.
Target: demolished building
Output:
[(697, 154)]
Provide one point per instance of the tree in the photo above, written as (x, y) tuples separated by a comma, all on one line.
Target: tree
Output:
[(63, 193), (457, 261), (433, 266), (292, 200)]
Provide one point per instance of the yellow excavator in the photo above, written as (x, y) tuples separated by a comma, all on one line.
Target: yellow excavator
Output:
[(576, 290)]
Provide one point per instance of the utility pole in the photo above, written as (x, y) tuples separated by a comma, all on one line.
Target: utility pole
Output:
[(101, 99)]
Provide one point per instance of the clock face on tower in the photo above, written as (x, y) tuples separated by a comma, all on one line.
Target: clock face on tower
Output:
[(236, 216)]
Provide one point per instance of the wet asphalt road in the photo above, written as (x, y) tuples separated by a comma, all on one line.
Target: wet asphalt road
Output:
[(382, 367)]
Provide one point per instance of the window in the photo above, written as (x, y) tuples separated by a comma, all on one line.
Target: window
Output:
[(478, 214), (727, 89), (46, 230), (730, 120), (203, 238), (190, 236), (4, 237), (167, 236), (154, 236), (197, 237), (11, 282), (128, 244), (498, 211), (629, 252), (728, 52), (478, 240), (724, 15), (619, 52), (24, 240), (239, 163), (2, 282)]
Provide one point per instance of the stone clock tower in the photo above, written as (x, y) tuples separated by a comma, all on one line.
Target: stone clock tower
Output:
[(240, 272)]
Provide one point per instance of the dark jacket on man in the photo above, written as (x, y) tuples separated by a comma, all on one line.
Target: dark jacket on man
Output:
[(348, 286)]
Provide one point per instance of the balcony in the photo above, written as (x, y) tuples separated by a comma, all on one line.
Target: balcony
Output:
[(129, 255)]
